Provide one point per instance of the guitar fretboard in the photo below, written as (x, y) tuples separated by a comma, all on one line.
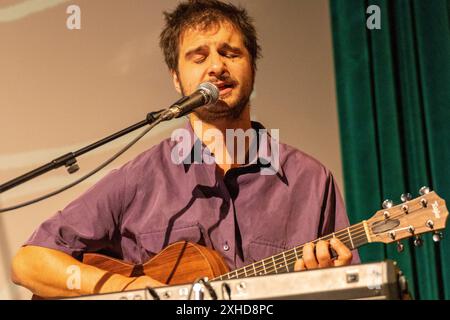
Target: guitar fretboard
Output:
[(353, 237)]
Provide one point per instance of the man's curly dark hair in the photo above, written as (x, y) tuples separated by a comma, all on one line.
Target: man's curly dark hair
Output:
[(202, 14)]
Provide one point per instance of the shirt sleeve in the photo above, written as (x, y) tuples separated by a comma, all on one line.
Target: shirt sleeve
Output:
[(87, 224), (334, 214)]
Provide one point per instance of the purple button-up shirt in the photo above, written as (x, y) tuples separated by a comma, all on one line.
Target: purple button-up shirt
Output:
[(151, 202)]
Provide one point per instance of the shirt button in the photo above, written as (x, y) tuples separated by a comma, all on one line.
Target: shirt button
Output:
[(226, 247)]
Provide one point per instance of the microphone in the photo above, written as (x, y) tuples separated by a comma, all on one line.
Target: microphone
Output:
[(206, 93)]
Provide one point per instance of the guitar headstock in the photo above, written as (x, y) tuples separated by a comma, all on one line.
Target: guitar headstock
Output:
[(426, 213)]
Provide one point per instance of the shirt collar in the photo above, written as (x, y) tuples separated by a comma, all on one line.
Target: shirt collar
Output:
[(198, 148)]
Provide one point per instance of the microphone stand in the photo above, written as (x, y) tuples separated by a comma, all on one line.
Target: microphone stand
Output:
[(69, 160)]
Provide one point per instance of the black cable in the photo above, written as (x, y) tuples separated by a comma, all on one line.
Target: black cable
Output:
[(153, 293), (226, 286), (211, 290), (103, 165)]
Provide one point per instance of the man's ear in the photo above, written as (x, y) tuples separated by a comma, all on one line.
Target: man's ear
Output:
[(176, 81)]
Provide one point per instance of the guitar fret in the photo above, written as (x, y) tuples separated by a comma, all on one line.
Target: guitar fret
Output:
[(254, 269), (274, 264), (260, 272), (366, 230), (264, 267), (350, 237), (245, 272), (296, 255), (231, 276), (285, 262)]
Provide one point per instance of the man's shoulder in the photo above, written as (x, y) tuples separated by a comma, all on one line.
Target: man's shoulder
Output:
[(296, 160), (156, 155)]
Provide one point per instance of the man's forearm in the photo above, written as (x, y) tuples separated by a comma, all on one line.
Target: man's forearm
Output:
[(50, 273)]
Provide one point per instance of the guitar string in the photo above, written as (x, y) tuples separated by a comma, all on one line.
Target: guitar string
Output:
[(359, 230), (271, 266), (289, 261), (275, 265), (280, 258), (357, 237), (290, 255)]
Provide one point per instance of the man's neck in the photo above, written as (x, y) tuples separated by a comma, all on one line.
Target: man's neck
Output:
[(205, 130)]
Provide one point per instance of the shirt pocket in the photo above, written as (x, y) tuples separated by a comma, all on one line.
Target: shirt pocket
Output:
[(261, 249), (154, 242)]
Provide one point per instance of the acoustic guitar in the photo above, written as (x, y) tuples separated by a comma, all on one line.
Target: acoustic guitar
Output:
[(185, 262)]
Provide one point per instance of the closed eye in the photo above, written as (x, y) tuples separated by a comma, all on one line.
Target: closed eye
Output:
[(232, 55), (229, 51), (199, 59)]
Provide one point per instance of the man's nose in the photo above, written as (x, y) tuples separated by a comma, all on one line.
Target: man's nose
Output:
[(217, 66)]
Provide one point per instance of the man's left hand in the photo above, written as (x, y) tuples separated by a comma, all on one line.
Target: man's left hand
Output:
[(318, 256)]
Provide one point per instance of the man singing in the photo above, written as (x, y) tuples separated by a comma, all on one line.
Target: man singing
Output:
[(229, 206)]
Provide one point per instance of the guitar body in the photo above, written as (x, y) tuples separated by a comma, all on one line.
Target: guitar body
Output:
[(179, 263)]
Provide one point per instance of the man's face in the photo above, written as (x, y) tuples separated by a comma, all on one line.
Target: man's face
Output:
[(217, 55)]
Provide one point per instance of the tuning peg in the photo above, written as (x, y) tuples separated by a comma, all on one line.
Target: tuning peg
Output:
[(424, 190), (406, 197), (387, 204), (418, 242), (437, 236), (400, 246)]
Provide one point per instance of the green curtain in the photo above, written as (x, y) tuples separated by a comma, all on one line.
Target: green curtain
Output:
[(393, 88)]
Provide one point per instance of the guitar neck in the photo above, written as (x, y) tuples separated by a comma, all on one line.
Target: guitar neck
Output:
[(353, 237)]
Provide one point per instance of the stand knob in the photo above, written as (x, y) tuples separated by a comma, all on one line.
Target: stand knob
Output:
[(73, 168)]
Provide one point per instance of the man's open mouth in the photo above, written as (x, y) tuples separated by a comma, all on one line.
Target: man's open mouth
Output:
[(225, 88)]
